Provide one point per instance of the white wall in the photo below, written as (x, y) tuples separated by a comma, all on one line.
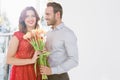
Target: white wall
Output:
[(97, 26)]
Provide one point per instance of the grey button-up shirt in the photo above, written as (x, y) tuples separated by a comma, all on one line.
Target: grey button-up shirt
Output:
[(62, 45)]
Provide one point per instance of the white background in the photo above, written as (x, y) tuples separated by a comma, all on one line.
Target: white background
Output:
[(97, 26)]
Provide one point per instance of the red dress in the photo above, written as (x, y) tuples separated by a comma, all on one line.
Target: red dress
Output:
[(25, 51)]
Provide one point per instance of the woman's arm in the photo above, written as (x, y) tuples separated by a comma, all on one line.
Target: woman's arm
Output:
[(13, 46)]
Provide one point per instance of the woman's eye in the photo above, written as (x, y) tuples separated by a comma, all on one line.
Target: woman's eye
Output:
[(33, 15), (27, 16)]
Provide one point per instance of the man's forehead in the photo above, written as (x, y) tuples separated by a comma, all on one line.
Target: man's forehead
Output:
[(49, 8)]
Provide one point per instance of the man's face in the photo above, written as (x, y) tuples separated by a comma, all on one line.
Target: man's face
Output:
[(50, 16)]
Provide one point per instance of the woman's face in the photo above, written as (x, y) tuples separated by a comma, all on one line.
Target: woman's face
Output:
[(30, 19)]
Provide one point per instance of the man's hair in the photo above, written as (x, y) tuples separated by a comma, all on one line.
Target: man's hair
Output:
[(56, 7)]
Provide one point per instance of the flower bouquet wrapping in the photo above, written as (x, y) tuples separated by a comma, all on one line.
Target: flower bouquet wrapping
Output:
[(37, 39)]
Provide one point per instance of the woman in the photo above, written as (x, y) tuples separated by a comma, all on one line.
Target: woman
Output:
[(20, 52)]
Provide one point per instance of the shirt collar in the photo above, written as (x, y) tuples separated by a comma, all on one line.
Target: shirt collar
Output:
[(60, 26)]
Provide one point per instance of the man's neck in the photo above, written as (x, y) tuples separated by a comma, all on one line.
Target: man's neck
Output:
[(57, 23)]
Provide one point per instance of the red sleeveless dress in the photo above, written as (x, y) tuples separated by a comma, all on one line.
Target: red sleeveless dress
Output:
[(25, 51)]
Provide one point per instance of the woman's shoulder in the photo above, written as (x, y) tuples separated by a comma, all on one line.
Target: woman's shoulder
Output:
[(18, 34)]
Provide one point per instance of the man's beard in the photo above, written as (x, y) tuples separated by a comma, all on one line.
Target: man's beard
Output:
[(52, 22)]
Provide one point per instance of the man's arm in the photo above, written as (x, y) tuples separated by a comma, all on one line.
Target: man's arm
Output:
[(71, 61), (72, 52)]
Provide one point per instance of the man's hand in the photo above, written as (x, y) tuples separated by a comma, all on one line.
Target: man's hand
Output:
[(45, 70)]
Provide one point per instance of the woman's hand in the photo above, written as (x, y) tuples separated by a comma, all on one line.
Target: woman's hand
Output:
[(43, 51), (35, 56)]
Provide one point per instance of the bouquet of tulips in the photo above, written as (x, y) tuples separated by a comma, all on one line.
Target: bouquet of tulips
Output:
[(37, 39)]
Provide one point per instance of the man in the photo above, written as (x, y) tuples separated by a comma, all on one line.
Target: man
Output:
[(61, 43)]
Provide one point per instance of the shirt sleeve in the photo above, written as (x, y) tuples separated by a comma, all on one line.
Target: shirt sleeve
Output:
[(72, 55)]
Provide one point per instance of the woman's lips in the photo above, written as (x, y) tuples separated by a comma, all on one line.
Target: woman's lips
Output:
[(30, 22)]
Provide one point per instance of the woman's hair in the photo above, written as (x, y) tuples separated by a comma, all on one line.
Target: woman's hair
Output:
[(22, 25)]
